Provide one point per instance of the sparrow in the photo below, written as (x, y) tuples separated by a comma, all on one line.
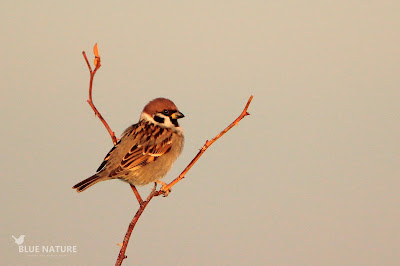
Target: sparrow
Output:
[(146, 150)]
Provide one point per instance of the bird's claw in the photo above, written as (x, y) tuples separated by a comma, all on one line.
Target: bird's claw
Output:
[(163, 190)]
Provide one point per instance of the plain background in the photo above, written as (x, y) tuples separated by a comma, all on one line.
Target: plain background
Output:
[(310, 178)]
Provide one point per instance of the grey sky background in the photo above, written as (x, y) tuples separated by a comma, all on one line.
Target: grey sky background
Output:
[(310, 178)]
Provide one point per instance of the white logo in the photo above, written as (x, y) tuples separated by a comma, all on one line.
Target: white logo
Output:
[(44, 250), (19, 240)]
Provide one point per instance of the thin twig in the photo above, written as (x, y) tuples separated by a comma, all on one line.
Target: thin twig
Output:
[(208, 143), (90, 101), (97, 63), (165, 189), (136, 192)]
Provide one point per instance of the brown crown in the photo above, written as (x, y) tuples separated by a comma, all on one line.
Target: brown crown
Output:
[(158, 105)]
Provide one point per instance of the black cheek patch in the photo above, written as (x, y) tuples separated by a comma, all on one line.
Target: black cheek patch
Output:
[(159, 119), (175, 122)]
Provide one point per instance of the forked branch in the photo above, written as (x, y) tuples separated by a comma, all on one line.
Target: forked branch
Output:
[(97, 64), (164, 190)]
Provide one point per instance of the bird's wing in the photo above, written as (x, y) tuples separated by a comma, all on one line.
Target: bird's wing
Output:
[(148, 144), (103, 164)]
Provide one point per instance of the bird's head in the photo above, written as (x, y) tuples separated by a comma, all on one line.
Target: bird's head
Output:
[(162, 112)]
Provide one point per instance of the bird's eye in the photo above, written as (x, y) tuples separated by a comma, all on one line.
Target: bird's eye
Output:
[(166, 112)]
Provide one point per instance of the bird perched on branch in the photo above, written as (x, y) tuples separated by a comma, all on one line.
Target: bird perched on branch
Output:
[(146, 150)]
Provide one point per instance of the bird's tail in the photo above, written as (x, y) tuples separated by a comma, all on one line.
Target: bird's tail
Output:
[(81, 186), (14, 238)]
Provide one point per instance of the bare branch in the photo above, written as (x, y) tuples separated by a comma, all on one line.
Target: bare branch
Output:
[(121, 255), (165, 189), (90, 101), (97, 64), (208, 143), (136, 192)]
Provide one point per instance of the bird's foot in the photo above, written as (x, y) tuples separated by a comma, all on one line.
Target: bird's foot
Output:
[(163, 190)]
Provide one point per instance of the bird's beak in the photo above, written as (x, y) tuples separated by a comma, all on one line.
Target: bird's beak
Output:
[(177, 115)]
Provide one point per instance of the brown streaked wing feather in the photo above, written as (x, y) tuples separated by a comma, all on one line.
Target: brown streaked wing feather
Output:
[(150, 146), (105, 160), (127, 132)]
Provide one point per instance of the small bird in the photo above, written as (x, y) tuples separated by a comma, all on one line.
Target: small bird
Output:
[(19, 240), (146, 150)]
